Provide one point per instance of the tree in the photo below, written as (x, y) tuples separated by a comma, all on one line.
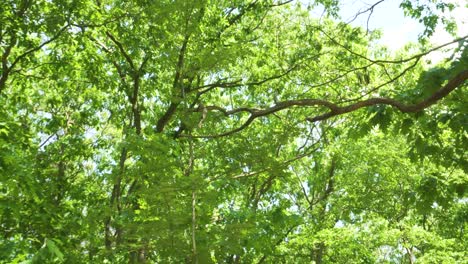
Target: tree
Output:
[(227, 131)]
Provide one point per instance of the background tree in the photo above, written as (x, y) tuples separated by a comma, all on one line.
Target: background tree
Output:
[(227, 131)]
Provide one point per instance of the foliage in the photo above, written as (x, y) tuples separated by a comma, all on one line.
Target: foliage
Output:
[(227, 132)]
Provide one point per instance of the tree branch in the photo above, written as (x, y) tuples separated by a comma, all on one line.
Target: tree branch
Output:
[(335, 109), (162, 122), (7, 70), (238, 83), (417, 56), (458, 80), (371, 9), (391, 80), (122, 50)]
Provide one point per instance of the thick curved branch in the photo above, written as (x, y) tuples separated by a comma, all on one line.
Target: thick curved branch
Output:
[(336, 109), (254, 113), (458, 80)]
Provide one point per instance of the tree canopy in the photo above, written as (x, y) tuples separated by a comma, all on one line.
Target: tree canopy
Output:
[(241, 131)]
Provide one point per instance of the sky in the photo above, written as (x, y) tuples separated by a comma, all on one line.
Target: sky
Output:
[(398, 29)]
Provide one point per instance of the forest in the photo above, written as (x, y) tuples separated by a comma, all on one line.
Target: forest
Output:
[(231, 131)]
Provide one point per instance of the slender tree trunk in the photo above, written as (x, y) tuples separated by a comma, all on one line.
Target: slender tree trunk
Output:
[(410, 255), (194, 226), (318, 253)]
